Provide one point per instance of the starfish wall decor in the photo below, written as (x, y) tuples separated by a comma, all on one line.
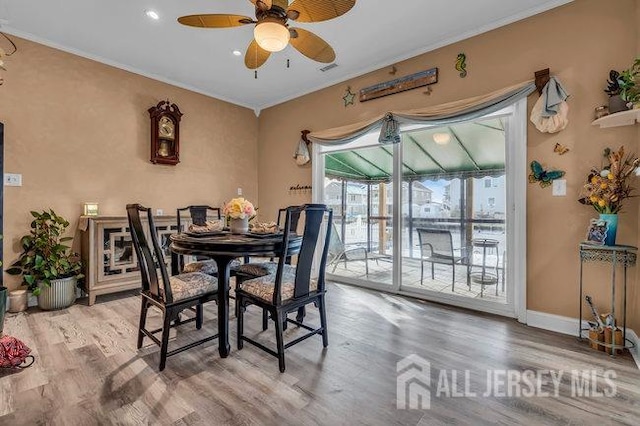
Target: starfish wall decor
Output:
[(349, 97)]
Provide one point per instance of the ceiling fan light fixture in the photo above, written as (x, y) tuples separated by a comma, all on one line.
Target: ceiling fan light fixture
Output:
[(441, 138), (272, 36)]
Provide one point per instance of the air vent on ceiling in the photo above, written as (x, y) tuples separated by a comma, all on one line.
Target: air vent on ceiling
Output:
[(329, 67)]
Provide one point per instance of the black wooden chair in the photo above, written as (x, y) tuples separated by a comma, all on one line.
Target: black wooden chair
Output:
[(199, 216), (258, 269), (170, 294), (291, 287), (436, 246), (250, 270)]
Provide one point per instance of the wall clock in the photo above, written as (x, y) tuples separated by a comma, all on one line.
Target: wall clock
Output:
[(165, 133)]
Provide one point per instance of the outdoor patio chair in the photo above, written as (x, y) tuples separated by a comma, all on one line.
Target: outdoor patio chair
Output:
[(338, 252), (436, 246)]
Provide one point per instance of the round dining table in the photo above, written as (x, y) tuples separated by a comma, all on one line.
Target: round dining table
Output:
[(224, 247)]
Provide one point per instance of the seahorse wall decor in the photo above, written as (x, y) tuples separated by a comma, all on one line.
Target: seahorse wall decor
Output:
[(461, 64)]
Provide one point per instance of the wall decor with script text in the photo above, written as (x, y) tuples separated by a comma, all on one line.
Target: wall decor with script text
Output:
[(409, 82)]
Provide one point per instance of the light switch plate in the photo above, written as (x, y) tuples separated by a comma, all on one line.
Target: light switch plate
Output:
[(159, 212), (239, 191), (12, 179), (559, 188)]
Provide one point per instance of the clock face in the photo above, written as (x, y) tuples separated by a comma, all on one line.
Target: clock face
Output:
[(166, 128)]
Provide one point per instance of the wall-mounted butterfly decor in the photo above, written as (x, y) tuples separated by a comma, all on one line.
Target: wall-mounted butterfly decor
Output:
[(545, 177), (560, 149)]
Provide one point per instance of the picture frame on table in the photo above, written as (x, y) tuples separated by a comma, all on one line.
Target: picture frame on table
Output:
[(597, 232)]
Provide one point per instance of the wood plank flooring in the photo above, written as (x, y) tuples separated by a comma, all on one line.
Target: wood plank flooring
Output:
[(88, 371)]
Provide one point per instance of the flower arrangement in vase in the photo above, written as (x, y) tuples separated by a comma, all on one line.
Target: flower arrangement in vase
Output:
[(238, 212), (608, 186)]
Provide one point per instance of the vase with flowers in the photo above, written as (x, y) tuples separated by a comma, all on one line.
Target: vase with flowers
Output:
[(608, 186), (238, 212)]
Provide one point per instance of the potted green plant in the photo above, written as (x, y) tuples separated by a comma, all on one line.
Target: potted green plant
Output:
[(628, 82), (48, 267), (616, 103)]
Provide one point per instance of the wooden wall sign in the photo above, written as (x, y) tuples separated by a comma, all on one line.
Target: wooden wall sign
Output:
[(412, 81)]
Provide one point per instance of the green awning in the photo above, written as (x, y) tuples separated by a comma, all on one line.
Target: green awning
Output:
[(474, 149)]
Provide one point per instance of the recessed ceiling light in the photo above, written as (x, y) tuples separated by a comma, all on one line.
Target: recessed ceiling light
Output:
[(152, 14), (441, 138), (237, 52)]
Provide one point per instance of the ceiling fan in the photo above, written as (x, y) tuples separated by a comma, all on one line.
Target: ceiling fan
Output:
[(272, 33)]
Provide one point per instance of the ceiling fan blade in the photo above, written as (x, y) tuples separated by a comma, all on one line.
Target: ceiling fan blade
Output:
[(318, 10), (262, 4), (312, 46), (215, 20), (255, 56)]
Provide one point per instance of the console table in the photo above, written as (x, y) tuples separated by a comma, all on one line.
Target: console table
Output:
[(618, 255), (109, 260)]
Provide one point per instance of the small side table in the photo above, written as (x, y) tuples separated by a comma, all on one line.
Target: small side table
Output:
[(484, 277), (617, 255)]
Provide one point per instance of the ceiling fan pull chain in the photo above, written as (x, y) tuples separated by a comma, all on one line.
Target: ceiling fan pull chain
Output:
[(288, 63), (255, 74)]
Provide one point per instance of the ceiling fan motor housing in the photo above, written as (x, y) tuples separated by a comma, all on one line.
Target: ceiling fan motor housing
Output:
[(276, 12)]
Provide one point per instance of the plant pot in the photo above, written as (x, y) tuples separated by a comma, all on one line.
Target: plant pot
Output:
[(61, 294), (612, 228), (617, 104), (3, 306), (239, 226), (18, 301)]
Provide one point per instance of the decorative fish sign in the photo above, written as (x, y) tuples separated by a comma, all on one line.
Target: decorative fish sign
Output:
[(461, 64), (545, 177)]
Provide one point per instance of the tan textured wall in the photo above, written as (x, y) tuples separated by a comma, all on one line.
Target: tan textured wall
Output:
[(580, 42), (78, 131)]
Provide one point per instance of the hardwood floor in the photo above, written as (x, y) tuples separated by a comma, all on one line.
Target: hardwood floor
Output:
[(88, 370)]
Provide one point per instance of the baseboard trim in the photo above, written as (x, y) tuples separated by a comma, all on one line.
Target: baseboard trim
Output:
[(567, 325)]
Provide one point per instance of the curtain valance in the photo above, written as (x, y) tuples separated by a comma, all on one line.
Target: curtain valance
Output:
[(452, 112)]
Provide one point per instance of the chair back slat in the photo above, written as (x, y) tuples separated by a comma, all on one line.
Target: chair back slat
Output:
[(314, 216), (198, 214), (329, 229), (435, 242), (157, 286), (293, 225)]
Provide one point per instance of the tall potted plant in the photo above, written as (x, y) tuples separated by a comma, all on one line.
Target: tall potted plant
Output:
[(48, 267)]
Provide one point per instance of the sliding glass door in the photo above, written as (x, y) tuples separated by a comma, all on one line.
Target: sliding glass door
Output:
[(432, 216), (454, 210), (358, 185)]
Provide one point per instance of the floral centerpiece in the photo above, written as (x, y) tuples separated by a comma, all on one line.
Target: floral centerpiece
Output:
[(608, 186), (238, 211)]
